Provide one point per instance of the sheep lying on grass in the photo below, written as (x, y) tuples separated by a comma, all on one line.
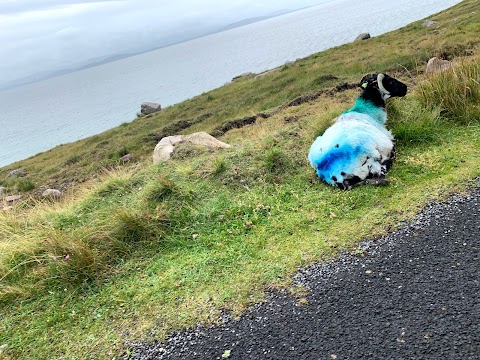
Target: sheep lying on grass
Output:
[(358, 149)]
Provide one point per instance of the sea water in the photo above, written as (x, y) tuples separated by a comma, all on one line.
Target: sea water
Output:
[(41, 115)]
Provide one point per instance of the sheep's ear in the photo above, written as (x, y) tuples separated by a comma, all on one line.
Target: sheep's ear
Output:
[(367, 79)]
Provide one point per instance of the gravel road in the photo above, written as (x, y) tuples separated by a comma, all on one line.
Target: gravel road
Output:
[(415, 295)]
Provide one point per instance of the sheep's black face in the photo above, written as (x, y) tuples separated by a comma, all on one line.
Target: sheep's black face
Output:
[(384, 83), (394, 87)]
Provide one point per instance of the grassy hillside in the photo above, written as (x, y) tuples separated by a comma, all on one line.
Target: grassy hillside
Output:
[(402, 52), (135, 251)]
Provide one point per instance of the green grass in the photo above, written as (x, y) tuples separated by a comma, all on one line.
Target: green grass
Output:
[(412, 123), (24, 185), (139, 251), (399, 53), (455, 92)]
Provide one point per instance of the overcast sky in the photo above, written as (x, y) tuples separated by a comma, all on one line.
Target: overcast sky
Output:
[(45, 35)]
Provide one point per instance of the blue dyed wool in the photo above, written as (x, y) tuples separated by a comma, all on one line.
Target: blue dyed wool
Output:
[(354, 146)]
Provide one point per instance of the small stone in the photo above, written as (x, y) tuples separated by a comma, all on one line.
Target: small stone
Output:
[(126, 158), (363, 36), (13, 198), (244, 75), (164, 149), (436, 65), (16, 172), (368, 272), (429, 23), (150, 108), (52, 193), (2, 190), (266, 73)]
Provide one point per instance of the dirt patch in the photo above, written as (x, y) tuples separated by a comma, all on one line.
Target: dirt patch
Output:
[(341, 87), (320, 80), (249, 120), (291, 119), (263, 115), (311, 97), (303, 99), (175, 128), (234, 124)]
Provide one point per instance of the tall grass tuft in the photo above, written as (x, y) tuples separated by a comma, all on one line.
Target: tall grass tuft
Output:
[(412, 123), (71, 259), (24, 185), (130, 226), (219, 166), (82, 242), (46, 257), (159, 189), (275, 160), (455, 91)]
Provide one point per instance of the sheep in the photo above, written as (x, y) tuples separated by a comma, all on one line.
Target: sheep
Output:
[(358, 149)]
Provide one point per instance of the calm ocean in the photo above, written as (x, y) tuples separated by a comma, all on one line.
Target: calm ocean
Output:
[(39, 116)]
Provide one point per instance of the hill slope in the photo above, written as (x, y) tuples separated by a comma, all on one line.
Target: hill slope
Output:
[(136, 250)]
